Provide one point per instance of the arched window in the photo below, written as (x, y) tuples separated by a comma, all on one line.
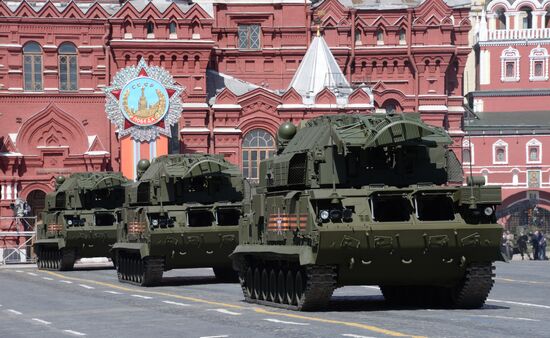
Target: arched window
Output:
[(358, 37), (509, 65), (379, 37), (257, 145), (466, 155), (402, 36), (172, 29), (500, 152), (534, 151), (150, 29), (127, 29), (68, 68), (501, 18), (515, 176), (391, 106), (32, 66), (467, 152), (526, 17), (539, 64)]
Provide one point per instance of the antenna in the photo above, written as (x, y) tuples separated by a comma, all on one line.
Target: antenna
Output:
[(335, 199), (472, 197)]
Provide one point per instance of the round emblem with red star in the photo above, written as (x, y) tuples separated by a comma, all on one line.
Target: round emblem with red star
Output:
[(143, 102)]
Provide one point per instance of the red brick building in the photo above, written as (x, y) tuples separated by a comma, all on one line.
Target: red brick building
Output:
[(237, 60), (509, 130)]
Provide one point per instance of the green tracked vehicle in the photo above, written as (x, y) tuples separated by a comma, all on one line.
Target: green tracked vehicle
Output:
[(365, 200), (183, 212), (80, 219)]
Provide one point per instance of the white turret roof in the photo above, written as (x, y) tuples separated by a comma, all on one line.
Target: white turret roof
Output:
[(319, 70)]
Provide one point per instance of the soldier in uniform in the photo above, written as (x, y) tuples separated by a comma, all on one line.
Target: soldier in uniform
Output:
[(535, 244), (522, 245)]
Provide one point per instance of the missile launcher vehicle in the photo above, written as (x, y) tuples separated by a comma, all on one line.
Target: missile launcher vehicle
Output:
[(366, 200), (80, 219), (182, 212)]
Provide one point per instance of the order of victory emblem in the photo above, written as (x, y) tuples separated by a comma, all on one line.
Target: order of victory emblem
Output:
[(143, 102)]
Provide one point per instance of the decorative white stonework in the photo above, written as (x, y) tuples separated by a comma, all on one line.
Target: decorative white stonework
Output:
[(538, 58), (467, 146), (143, 102), (478, 105), (500, 152), (510, 58), (533, 152)]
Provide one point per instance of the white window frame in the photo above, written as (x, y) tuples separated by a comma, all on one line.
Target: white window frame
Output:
[(533, 143), (499, 144), (509, 55), (539, 54), (467, 145)]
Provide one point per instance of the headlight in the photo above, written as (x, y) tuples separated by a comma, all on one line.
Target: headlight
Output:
[(324, 215), (488, 211), (155, 222), (70, 222)]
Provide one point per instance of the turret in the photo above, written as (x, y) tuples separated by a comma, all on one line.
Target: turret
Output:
[(176, 179), (359, 150), (87, 191)]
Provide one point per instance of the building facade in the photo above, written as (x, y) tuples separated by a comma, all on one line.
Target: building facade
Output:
[(508, 132), (240, 63)]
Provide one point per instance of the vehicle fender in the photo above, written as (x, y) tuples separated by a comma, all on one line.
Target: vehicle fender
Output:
[(55, 242), (143, 248), (305, 254)]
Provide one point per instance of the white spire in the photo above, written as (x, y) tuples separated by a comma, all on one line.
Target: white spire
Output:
[(483, 26), (318, 70)]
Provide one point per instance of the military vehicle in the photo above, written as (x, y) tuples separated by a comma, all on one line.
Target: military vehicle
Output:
[(365, 200), (80, 219), (183, 212)]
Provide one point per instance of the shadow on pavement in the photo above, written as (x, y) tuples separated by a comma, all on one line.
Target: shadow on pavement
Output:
[(189, 280), (378, 303)]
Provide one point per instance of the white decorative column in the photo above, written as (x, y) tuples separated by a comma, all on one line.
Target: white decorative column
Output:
[(8, 191), (482, 27), (539, 19), (2, 191)]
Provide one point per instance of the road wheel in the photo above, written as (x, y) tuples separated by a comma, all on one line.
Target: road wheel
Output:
[(124, 267), (117, 265), (272, 297), (281, 287), (290, 291), (39, 259), (140, 271), (57, 261), (257, 284), (133, 263), (249, 282), (50, 260), (265, 284)]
